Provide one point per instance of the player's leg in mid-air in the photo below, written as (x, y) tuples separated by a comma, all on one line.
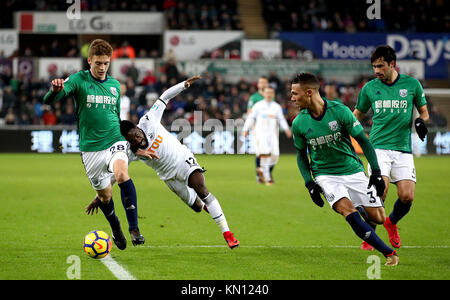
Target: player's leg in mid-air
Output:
[(338, 191), (196, 181), (189, 186), (363, 230)]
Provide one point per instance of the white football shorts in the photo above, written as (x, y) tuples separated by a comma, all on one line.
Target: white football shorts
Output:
[(267, 144), (179, 183), (353, 187), (99, 164), (395, 165)]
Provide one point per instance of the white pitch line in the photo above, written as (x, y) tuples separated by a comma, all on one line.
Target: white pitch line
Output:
[(118, 271), (275, 246)]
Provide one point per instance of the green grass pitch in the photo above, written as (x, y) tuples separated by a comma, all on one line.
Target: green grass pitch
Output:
[(283, 234)]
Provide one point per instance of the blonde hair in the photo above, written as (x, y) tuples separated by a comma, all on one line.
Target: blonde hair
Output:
[(100, 47)]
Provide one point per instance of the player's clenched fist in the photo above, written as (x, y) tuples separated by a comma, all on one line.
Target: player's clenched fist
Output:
[(57, 85)]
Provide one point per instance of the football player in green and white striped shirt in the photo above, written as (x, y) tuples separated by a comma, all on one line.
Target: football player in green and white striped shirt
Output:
[(392, 96)]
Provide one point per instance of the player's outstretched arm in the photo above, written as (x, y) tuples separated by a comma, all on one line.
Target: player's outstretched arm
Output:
[(155, 113), (191, 80), (173, 91), (57, 85)]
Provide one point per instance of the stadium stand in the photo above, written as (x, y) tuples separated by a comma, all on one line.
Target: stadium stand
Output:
[(21, 99), (329, 15)]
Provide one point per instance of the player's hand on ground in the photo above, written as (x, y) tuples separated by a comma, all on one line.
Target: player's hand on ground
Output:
[(57, 85), (144, 154), (189, 81), (92, 207), (421, 128), (377, 180), (314, 192)]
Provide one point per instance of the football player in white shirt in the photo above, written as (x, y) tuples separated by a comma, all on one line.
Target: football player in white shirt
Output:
[(267, 115), (176, 164)]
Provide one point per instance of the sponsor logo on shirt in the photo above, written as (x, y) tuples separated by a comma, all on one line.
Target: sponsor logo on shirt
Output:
[(155, 145), (100, 99), (391, 105), (326, 139)]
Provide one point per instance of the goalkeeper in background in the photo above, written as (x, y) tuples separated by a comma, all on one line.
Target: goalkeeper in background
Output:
[(392, 96), (103, 148)]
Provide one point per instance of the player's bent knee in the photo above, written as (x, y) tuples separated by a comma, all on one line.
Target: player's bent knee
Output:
[(121, 177), (197, 206), (105, 197), (406, 198), (120, 167), (379, 219), (197, 182), (344, 207)]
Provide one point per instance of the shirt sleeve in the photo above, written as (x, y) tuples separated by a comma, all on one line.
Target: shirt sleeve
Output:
[(283, 123), (250, 119), (299, 140), (363, 104), (419, 96), (349, 121), (70, 86), (156, 111)]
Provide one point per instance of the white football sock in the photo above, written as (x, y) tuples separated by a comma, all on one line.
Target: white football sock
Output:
[(265, 167), (215, 210)]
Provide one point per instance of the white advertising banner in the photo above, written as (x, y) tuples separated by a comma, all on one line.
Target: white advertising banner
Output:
[(261, 49), (58, 67), (9, 42), (414, 68), (120, 67), (90, 22), (186, 44)]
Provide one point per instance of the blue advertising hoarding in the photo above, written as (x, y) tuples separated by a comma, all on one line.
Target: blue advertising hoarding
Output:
[(432, 48)]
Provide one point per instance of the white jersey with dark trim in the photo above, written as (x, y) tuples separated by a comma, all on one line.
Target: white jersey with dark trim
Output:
[(160, 141)]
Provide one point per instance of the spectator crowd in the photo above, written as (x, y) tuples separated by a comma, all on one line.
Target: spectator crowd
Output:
[(21, 98)]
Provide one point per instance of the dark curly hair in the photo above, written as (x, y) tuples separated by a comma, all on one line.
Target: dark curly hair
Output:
[(126, 126), (385, 51)]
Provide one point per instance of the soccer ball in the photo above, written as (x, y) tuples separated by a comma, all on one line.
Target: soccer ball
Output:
[(97, 244)]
